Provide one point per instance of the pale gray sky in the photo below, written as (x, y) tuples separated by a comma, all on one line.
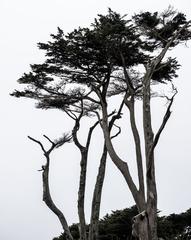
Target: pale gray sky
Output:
[(23, 215)]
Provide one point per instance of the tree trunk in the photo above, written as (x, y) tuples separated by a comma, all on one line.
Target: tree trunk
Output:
[(49, 202), (93, 228), (81, 193), (140, 226), (151, 206), (152, 202)]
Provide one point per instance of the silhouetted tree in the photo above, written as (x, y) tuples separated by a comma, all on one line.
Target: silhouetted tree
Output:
[(115, 56)]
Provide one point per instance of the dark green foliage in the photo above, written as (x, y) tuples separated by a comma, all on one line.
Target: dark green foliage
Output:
[(74, 231), (159, 28), (174, 226), (166, 71), (117, 226), (88, 58)]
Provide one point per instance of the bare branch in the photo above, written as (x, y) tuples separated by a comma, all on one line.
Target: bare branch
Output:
[(165, 119), (157, 136), (70, 114), (38, 142), (75, 130), (46, 191), (118, 132), (49, 140), (90, 134), (131, 106)]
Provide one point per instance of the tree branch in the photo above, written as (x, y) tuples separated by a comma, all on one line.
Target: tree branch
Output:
[(75, 130), (49, 140), (118, 132), (90, 134), (165, 119), (46, 189), (131, 106), (157, 136), (127, 77), (38, 142), (121, 165), (159, 58)]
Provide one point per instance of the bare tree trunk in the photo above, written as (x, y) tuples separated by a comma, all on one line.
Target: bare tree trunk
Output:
[(131, 106), (93, 229), (152, 202), (151, 207), (49, 202), (81, 195), (83, 169), (45, 179)]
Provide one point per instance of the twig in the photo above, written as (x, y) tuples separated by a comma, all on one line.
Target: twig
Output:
[(119, 131), (38, 142)]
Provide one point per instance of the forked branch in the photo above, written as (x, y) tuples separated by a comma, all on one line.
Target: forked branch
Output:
[(45, 178), (158, 134), (164, 122)]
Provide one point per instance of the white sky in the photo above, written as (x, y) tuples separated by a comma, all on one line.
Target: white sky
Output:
[(23, 215)]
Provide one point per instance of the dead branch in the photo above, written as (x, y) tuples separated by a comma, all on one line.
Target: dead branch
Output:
[(158, 134), (38, 142), (46, 189), (118, 132)]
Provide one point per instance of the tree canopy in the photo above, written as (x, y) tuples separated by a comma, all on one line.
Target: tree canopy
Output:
[(82, 60)]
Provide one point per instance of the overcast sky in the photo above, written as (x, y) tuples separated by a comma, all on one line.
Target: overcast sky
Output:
[(23, 215)]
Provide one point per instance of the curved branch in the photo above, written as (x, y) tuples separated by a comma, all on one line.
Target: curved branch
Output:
[(75, 130), (121, 165), (118, 132), (90, 134)]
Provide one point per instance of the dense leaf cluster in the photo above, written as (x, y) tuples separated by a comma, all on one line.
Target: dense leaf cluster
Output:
[(88, 58)]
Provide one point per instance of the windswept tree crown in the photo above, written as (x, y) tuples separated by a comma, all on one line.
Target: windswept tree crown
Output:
[(97, 58)]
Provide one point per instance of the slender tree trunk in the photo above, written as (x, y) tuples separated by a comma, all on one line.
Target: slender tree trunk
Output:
[(81, 195), (82, 182), (49, 202), (151, 207), (45, 180), (93, 229), (152, 202), (83, 169)]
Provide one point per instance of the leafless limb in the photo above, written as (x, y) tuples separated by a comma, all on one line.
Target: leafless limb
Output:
[(165, 119), (118, 132), (49, 140), (46, 189), (38, 142), (158, 134)]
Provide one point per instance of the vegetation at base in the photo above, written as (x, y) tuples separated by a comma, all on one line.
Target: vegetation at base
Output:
[(117, 226)]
